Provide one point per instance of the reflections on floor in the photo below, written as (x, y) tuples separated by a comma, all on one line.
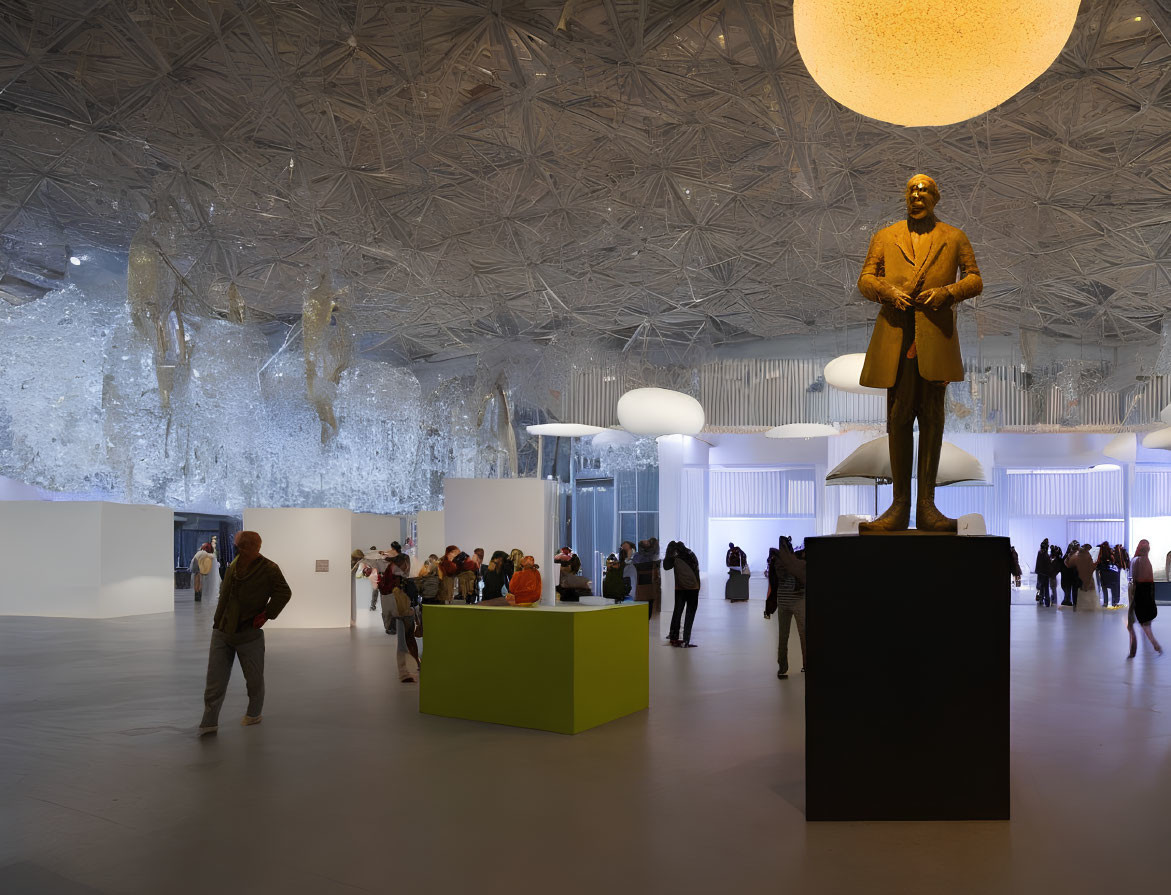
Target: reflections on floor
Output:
[(346, 788)]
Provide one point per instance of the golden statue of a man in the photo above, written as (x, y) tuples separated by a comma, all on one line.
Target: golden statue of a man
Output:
[(918, 270)]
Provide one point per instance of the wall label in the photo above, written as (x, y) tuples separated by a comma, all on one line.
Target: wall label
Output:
[(322, 565)]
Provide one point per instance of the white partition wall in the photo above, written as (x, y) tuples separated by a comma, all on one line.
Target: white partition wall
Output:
[(431, 537), (500, 514), (119, 559), (373, 530), (295, 539)]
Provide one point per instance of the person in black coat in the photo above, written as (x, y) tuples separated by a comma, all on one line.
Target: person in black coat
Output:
[(1056, 565), (1042, 566), (495, 579), (686, 566), (1070, 580)]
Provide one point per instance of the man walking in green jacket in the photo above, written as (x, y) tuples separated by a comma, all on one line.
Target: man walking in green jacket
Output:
[(253, 591)]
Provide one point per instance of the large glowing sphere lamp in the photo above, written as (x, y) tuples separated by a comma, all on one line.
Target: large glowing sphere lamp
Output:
[(925, 63)]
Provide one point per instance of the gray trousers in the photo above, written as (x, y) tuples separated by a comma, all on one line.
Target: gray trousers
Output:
[(785, 616), (248, 646), (408, 647)]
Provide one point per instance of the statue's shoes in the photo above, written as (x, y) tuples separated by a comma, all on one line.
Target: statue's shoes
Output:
[(928, 518), (896, 518)]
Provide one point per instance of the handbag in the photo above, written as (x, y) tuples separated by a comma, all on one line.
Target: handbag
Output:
[(402, 603)]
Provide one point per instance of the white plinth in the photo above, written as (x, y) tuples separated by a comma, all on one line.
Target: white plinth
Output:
[(502, 514), (295, 539), (89, 559)]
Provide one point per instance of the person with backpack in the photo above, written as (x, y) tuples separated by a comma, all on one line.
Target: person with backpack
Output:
[(403, 600), (205, 573), (686, 567), (467, 568), (389, 580), (786, 593), (428, 583), (735, 558)]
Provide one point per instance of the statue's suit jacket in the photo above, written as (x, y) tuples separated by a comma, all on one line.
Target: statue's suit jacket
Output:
[(891, 261)]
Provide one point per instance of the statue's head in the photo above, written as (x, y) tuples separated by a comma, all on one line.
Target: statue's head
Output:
[(922, 194)]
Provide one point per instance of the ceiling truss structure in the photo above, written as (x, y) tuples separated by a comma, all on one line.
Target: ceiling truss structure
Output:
[(655, 178)]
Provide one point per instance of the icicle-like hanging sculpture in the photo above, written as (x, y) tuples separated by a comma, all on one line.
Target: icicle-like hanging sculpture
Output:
[(155, 305), (329, 350)]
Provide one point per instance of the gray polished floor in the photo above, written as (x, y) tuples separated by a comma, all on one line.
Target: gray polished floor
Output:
[(345, 788)]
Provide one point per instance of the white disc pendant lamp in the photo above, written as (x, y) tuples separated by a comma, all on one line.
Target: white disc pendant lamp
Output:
[(564, 430), (613, 438), (660, 411), (802, 430), (923, 63)]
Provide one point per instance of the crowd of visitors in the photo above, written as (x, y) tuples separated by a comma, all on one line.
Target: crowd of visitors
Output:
[(1080, 572), (1097, 575)]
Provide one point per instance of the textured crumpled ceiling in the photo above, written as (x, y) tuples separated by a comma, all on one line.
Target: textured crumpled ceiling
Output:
[(658, 177)]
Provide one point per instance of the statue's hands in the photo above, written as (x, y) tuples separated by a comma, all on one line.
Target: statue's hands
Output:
[(900, 300), (935, 298)]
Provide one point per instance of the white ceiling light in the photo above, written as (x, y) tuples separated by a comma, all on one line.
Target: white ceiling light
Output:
[(1122, 447), (613, 438), (564, 430), (965, 56), (1160, 438), (660, 411), (802, 430), (844, 372)]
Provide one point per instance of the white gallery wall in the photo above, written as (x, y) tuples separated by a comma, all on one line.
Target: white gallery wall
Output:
[(1055, 485), (295, 539), (373, 530), (429, 534), (500, 514), (119, 559)]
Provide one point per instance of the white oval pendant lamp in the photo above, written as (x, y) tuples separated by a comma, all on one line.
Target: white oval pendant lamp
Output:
[(1160, 439), (1122, 447), (802, 430), (927, 63), (845, 372), (660, 411)]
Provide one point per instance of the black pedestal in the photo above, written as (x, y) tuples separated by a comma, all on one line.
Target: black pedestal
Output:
[(906, 693)]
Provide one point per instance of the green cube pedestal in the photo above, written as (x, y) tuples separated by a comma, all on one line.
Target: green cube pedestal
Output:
[(562, 668)]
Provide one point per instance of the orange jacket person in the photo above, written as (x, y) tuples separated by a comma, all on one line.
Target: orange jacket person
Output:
[(525, 587)]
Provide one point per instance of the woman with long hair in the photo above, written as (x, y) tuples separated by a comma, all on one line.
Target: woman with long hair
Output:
[(1142, 602), (495, 581)]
